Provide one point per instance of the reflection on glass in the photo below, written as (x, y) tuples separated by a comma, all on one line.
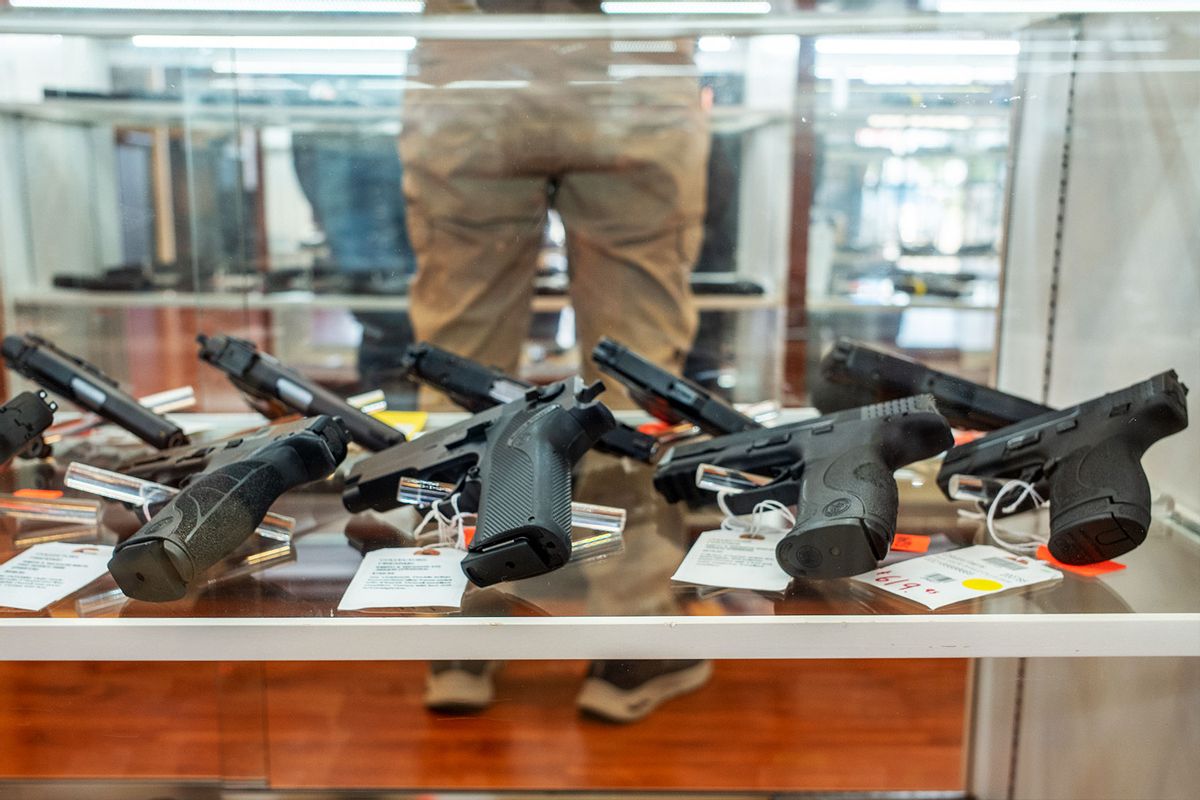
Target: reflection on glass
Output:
[(712, 478), (150, 496), (38, 509)]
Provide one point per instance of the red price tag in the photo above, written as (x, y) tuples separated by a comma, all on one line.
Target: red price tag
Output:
[(1086, 570), (910, 543)]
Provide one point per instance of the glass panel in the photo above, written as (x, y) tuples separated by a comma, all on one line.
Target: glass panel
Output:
[(1002, 191)]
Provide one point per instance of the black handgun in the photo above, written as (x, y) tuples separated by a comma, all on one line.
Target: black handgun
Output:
[(22, 421), (518, 457), (837, 469), (263, 377), (175, 467), (220, 509), (1089, 455), (476, 387), (85, 385), (668, 397), (854, 374)]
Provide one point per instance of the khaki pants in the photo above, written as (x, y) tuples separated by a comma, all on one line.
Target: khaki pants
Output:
[(625, 167)]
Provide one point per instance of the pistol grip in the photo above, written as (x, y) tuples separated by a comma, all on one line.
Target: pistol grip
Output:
[(524, 524), (846, 517), (218, 511), (1099, 503), (200, 526), (525, 503)]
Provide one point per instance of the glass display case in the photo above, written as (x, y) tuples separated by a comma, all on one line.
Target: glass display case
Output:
[(742, 193)]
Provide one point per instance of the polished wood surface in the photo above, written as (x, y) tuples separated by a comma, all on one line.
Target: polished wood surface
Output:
[(106, 720), (759, 725)]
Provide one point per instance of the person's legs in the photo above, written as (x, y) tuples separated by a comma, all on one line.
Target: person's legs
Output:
[(634, 212), (635, 223), (476, 224)]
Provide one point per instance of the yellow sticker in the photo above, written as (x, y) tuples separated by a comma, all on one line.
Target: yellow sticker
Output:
[(982, 584), (407, 421)]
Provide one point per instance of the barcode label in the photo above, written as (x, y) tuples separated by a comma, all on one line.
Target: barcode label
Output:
[(1003, 563), (937, 578)]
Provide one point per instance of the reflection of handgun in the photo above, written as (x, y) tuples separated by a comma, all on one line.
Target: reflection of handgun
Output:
[(520, 454), (22, 421), (1090, 457), (476, 387), (263, 377), (82, 383), (837, 469), (853, 374), (175, 467), (669, 397), (220, 509)]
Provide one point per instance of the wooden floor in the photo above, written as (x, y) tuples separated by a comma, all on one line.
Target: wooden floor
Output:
[(758, 726)]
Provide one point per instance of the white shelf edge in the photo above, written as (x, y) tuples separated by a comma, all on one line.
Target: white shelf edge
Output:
[(797, 637)]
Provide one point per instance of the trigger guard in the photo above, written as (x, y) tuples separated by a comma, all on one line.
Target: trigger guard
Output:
[(744, 502)]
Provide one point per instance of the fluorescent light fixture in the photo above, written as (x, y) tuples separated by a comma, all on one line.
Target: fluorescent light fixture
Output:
[(715, 44), (953, 122), (1066, 6), (240, 66), (278, 42), (925, 75), (289, 6), (916, 46), (645, 46), (684, 7)]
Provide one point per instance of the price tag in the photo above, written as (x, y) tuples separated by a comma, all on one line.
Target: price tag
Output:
[(48, 572), (734, 560), (407, 577), (910, 543), (946, 578), (1086, 570)]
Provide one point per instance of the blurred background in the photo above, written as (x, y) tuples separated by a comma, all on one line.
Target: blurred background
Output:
[(856, 185)]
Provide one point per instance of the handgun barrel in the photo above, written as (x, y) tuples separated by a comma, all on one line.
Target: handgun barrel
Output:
[(84, 385)]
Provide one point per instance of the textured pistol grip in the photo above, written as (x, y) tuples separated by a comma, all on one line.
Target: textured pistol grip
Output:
[(525, 504), (846, 517), (216, 513), (1099, 503)]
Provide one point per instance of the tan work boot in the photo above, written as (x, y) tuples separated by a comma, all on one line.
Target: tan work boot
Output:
[(626, 691), (457, 686)]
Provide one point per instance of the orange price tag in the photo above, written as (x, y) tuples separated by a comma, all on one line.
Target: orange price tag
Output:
[(910, 543), (468, 534), (962, 437), (1086, 570), (40, 494)]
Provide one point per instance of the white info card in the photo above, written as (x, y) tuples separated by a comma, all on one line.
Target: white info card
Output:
[(941, 579), (734, 560), (407, 577), (50, 571)]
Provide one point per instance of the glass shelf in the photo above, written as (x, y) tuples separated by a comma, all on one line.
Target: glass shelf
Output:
[(505, 26), (289, 611), (198, 115), (67, 298)]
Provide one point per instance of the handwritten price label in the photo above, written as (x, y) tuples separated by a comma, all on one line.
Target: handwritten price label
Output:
[(901, 583), (941, 579)]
